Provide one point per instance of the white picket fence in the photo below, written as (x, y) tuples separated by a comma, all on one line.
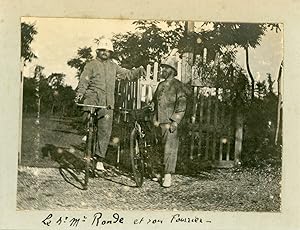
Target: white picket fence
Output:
[(134, 94)]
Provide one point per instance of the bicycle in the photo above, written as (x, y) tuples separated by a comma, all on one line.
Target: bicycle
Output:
[(91, 140), (142, 142)]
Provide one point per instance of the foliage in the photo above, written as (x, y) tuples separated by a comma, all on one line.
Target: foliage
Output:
[(239, 34), (260, 124), (27, 36), (228, 37), (222, 35), (148, 43), (29, 97), (55, 97), (56, 79), (84, 55)]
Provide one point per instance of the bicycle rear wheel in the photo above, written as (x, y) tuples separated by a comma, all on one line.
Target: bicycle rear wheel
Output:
[(136, 157)]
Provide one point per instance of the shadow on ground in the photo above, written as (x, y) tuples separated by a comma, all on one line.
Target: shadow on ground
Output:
[(72, 167)]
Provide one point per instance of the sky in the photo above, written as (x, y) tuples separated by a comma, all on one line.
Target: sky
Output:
[(58, 40)]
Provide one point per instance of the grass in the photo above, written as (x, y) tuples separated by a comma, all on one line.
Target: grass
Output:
[(59, 132)]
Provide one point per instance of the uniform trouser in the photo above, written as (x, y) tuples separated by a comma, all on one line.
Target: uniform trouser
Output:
[(170, 143), (105, 119)]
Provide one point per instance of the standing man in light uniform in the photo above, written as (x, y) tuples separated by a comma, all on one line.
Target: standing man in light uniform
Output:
[(97, 86), (169, 106)]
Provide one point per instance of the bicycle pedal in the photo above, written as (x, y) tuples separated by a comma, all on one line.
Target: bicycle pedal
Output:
[(93, 174), (154, 179), (85, 158)]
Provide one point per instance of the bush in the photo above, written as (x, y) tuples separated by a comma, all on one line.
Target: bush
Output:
[(259, 136)]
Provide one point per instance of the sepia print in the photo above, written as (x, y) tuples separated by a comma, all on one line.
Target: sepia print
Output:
[(150, 115)]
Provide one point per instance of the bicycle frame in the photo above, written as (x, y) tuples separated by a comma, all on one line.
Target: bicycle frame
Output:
[(138, 129)]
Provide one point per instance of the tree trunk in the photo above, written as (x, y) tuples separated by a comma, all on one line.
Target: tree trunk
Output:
[(279, 102), (52, 109), (249, 72), (21, 109)]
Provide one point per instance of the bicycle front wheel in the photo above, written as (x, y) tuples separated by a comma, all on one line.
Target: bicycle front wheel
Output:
[(89, 152), (136, 157)]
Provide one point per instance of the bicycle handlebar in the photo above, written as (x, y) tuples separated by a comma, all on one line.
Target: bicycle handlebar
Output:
[(110, 108), (95, 106)]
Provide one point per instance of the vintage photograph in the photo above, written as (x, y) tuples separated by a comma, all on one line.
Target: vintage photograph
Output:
[(150, 115)]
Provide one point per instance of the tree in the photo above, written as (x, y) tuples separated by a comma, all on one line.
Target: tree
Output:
[(29, 101), (65, 96), (148, 43), (261, 88), (249, 36), (56, 79), (270, 83), (226, 35), (28, 31), (55, 83), (48, 95)]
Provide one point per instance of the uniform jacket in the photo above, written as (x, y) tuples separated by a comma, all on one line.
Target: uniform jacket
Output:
[(170, 101), (97, 81)]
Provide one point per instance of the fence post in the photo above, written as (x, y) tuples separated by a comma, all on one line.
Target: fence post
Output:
[(148, 74), (179, 65), (204, 55), (209, 104), (155, 79), (155, 72), (201, 98), (214, 144), (195, 95), (139, 94), (238, 138), (187, 58)]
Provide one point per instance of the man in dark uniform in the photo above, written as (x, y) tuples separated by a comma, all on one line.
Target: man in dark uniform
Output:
[(169, 106), (97, 86)]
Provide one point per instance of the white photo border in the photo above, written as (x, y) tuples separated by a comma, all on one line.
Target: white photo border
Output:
[(286, 12)]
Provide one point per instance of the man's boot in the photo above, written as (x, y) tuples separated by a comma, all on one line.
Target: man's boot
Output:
[(167, 180)]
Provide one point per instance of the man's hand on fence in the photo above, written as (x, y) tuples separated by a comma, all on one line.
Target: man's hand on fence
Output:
[(142, 71), (151, 106), (173, 126)]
